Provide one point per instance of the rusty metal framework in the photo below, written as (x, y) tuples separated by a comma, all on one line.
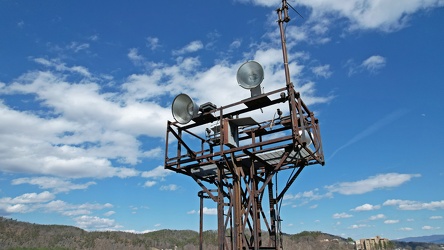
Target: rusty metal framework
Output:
[(234, 159)]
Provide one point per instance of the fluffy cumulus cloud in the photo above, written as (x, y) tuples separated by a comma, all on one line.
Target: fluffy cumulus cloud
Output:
[(415, 205), (57, 185), (430, 228), (391, 221), (366, 207), (29, 198), (76, 129), (381, 181), (385, 16), (377, 217), (322, 71), (382, 15), (97, 223), (189, 48), (356, 226), (341, 216), (170, 187), (206, 211), (374, 63), (46, 202), (156, 174), (370, 184)]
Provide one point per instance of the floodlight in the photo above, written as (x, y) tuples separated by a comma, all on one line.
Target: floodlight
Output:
[(184, 109), (250, 75), (306, 137)]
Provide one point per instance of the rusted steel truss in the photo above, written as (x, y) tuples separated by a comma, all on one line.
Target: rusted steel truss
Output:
[(234, 159), (239, 176)]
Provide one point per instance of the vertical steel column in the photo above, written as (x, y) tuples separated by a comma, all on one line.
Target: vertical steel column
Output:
[(237, 206), (220, 207), (238, 225), (272, 203), (255, 213), (200, 194)]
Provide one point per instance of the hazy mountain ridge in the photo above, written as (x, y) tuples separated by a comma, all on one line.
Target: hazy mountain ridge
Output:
[(438, 239), (22, 235)]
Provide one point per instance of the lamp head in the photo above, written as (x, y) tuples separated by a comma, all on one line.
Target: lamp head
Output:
[(184, 109), (250, 75)]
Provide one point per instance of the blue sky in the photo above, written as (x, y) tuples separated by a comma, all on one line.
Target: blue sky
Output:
[(86, 89)]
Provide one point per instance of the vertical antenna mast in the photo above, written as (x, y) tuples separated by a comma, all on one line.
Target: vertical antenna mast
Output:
[(293, 104), (283, 17)]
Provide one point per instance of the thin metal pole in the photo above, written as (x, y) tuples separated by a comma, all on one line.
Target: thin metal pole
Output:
[(286, 19), (220, 207), (200, 194), (238, 225), (290, 88), (255, 215), (272, 203)]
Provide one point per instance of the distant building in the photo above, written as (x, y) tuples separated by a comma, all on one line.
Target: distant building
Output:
[(376, 243)]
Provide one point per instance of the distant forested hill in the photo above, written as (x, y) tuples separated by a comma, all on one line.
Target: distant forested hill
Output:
[(21, 235)]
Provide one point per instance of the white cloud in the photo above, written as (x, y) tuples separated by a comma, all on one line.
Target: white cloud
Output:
[(307, 194), (135, 57), (374, 63), (158, 173), (381, 15), (341, 215), (406, 229), (430, 228), (76, 47), (206, 211), (171, 187), (77, 131), (24, 203), (28, 198), (384, 16), (377, 217), (415, 205), (149, 183), (94, 37), (381, 181), (189, 48), (356, 226), (366, 207), (236, 44), (152, 43), (96, 223), (61, 67), (15, 208), (56, 184), (139, 232), (322, 71), (210, 211), (436, 217), (391, 221), (70, 210), (109, 213)]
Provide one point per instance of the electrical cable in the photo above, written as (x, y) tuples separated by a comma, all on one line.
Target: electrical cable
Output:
[(295, 10)]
